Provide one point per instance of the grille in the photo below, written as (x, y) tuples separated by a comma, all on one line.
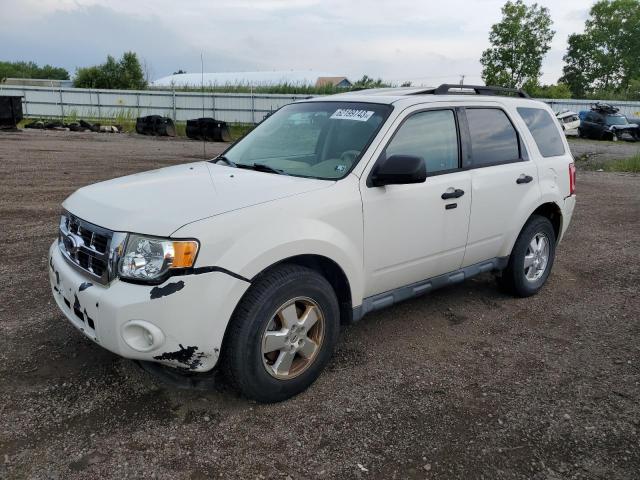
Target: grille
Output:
[(86, 246)]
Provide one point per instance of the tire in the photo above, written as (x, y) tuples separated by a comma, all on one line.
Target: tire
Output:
[(519, 280), (290, 290), (581, 133)]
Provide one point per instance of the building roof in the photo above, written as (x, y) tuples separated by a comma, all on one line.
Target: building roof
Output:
[(257, 79), (332, 81)]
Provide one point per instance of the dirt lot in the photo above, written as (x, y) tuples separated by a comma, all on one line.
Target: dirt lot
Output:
[(593, 153), (463, 383)]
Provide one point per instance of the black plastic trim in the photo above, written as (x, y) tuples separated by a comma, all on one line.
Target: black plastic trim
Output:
[(386, 299)]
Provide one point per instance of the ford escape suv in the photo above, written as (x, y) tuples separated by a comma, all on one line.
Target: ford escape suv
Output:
[(330, 209)]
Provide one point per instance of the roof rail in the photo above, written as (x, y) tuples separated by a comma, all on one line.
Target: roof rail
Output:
[(479, 90)]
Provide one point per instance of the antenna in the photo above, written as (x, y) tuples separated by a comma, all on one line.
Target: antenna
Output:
[(204, 140)]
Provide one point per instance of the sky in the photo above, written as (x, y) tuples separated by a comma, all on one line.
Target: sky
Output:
[(427, 42)]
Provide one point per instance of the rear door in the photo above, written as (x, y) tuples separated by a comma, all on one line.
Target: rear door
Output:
[(504, 181)]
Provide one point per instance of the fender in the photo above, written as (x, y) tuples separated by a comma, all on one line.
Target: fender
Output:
[(513, 235), (326, 222), (327, 242)]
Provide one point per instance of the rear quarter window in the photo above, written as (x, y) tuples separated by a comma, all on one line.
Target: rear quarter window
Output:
[(543, 130)]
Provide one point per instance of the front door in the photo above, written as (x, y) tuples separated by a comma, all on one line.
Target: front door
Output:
[(411, 233)]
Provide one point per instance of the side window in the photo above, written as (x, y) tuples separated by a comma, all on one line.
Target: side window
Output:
[(431, 135), (493, 138), (544, 131)]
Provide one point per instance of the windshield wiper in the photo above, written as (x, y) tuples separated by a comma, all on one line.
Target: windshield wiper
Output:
[(262, 167), (226, 160)]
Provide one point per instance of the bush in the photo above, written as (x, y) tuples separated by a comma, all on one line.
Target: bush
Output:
[(125, 74)]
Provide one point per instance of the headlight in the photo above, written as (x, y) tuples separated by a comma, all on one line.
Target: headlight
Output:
[(150, 258)]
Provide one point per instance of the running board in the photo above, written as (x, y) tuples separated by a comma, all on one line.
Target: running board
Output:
[(386, 299)]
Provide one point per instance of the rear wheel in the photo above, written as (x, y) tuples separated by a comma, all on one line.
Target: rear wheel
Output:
[(531, 259), (282, 334)]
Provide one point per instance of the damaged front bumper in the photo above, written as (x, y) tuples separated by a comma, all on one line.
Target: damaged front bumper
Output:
[(180, 323)]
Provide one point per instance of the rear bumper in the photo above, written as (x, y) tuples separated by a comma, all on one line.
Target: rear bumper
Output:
[(180, 323), (567, 213)]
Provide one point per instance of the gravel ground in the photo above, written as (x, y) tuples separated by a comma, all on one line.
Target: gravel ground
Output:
[(463, 383)]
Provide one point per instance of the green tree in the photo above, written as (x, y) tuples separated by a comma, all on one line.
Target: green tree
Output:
[(606, 57), (560, 90), (518, 44), (31, 70), (124, 74), (368, 82)]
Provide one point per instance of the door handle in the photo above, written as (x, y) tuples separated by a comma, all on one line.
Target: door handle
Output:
[(524, 179), (451, 193)]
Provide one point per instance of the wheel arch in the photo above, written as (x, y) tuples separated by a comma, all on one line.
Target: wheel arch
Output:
[(331, 271), (548, 209), (553, 212)]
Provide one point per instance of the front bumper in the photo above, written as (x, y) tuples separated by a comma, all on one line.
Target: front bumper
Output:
[(180, 323)]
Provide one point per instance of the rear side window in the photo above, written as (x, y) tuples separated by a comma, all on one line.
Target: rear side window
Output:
[(544, 131), (493, 138), (431, 135)]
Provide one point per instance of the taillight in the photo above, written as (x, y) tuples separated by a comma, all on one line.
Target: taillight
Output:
[(572, 179)]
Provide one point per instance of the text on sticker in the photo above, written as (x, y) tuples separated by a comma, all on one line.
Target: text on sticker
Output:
[(352, 114)]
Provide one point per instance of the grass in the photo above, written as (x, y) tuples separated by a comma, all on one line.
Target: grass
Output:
[(283, 89), (631, 165)]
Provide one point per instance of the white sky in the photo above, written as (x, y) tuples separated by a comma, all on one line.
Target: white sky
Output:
[(426, 41)]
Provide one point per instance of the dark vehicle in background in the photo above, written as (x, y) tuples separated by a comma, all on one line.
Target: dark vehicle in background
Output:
[(603, 122)]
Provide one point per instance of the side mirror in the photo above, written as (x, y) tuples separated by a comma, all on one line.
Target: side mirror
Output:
[(399, 170)]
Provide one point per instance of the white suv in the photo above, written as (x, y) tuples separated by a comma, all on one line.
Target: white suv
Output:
[(331, 208)]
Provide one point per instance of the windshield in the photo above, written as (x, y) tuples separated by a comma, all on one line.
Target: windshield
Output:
[(315, 139), (616, 120)]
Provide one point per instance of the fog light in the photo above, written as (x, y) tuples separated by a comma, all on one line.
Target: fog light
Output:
[(142, 336)]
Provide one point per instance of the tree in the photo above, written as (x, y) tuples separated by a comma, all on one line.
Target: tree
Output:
[(518, 45), (31, 70), (606, 57), (368, 82), (125, 74), (560, 90)]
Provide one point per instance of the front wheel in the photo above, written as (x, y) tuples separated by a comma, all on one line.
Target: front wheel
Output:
[(531, 258), (282, 334)]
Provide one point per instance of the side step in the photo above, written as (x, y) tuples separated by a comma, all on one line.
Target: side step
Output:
[(386, 299)]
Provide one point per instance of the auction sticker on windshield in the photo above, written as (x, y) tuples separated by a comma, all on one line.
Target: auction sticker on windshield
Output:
[(352, 114)]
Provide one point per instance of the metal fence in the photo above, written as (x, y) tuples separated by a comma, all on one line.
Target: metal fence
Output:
[(628, 108), (56, 102), (43, 102)]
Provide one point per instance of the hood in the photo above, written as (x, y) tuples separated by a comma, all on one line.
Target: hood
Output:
[(159, 202)]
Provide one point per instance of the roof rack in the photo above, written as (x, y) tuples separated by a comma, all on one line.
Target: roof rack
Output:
[(604, 108), (479, 90)]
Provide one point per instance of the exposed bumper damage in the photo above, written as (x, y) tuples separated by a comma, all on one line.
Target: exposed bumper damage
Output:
[(180, 323)]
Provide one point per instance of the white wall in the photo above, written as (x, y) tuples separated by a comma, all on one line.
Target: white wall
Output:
[(88, 103), (181, 106)]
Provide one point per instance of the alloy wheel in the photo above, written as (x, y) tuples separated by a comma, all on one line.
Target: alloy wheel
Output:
[(293, 338)]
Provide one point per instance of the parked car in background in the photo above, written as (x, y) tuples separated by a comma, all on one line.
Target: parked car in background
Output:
[(568, 120), (603, 122), (634, 120)]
